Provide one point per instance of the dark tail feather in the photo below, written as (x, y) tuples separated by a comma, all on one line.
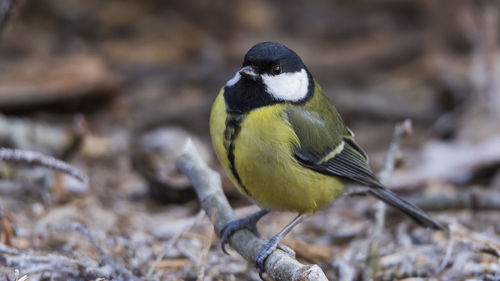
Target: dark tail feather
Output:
[(406, 207)]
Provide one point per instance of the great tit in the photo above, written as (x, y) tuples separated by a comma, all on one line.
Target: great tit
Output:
[(285, 146)]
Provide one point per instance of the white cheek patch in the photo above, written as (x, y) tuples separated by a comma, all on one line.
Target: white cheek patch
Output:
[(287, 86), (234, 80)]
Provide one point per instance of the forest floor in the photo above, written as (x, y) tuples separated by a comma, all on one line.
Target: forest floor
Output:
[(116, 88)]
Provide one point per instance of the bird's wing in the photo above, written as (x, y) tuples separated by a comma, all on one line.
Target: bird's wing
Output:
[(328, 147), (348, 163)]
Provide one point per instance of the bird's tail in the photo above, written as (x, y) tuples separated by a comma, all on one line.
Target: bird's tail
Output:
[(406, 207)]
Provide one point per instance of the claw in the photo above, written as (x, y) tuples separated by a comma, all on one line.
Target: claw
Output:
[(228, 231), (274, 243), (246, 223), (269, 248), (224, 239), (264, 253)]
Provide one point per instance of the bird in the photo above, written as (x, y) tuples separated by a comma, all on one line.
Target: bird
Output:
[(283, 145)]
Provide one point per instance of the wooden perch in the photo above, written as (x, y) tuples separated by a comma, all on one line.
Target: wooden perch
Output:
[(207, 183)]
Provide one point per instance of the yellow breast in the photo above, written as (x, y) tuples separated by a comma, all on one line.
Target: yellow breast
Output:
[(263, 159)]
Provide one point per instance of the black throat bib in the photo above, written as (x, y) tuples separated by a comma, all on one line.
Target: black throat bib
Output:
[(248, 94)]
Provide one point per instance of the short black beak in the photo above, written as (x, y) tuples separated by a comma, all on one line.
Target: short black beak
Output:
[(248, 72)]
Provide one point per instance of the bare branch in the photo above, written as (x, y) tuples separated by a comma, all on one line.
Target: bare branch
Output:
[(401, 129), (39, 159), (207, 183)]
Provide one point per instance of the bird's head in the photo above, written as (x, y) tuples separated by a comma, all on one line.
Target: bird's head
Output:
[(271, 73)]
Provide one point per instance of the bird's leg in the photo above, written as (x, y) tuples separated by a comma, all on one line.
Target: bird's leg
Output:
[(286, 249), (274, 242), (249, 223)]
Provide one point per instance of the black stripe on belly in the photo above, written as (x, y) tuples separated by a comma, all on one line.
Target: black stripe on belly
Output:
[(233, 126)]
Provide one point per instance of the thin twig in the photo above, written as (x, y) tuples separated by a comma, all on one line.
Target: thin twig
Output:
[(207, 183), (479, 241), (208, 243), (29, 263), (120, 270), (39, 159), (401, 129), (170, 243), (24, 278), (5, 249), (447, 256)]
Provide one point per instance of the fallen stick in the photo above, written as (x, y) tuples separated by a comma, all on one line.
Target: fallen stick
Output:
[(207, 183), (38, 159)]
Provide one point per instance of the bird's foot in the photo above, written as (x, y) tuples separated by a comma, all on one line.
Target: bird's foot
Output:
[(274, 243), (287, 250), (249, 223), (268, 248)]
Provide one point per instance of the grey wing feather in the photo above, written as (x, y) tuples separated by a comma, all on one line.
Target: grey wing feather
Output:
[(321, 134), (351, 164)]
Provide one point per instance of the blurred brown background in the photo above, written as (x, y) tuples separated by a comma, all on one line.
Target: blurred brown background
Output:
[(114, 87)]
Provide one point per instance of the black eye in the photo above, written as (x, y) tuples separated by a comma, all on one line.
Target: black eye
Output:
[(276, 69)]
